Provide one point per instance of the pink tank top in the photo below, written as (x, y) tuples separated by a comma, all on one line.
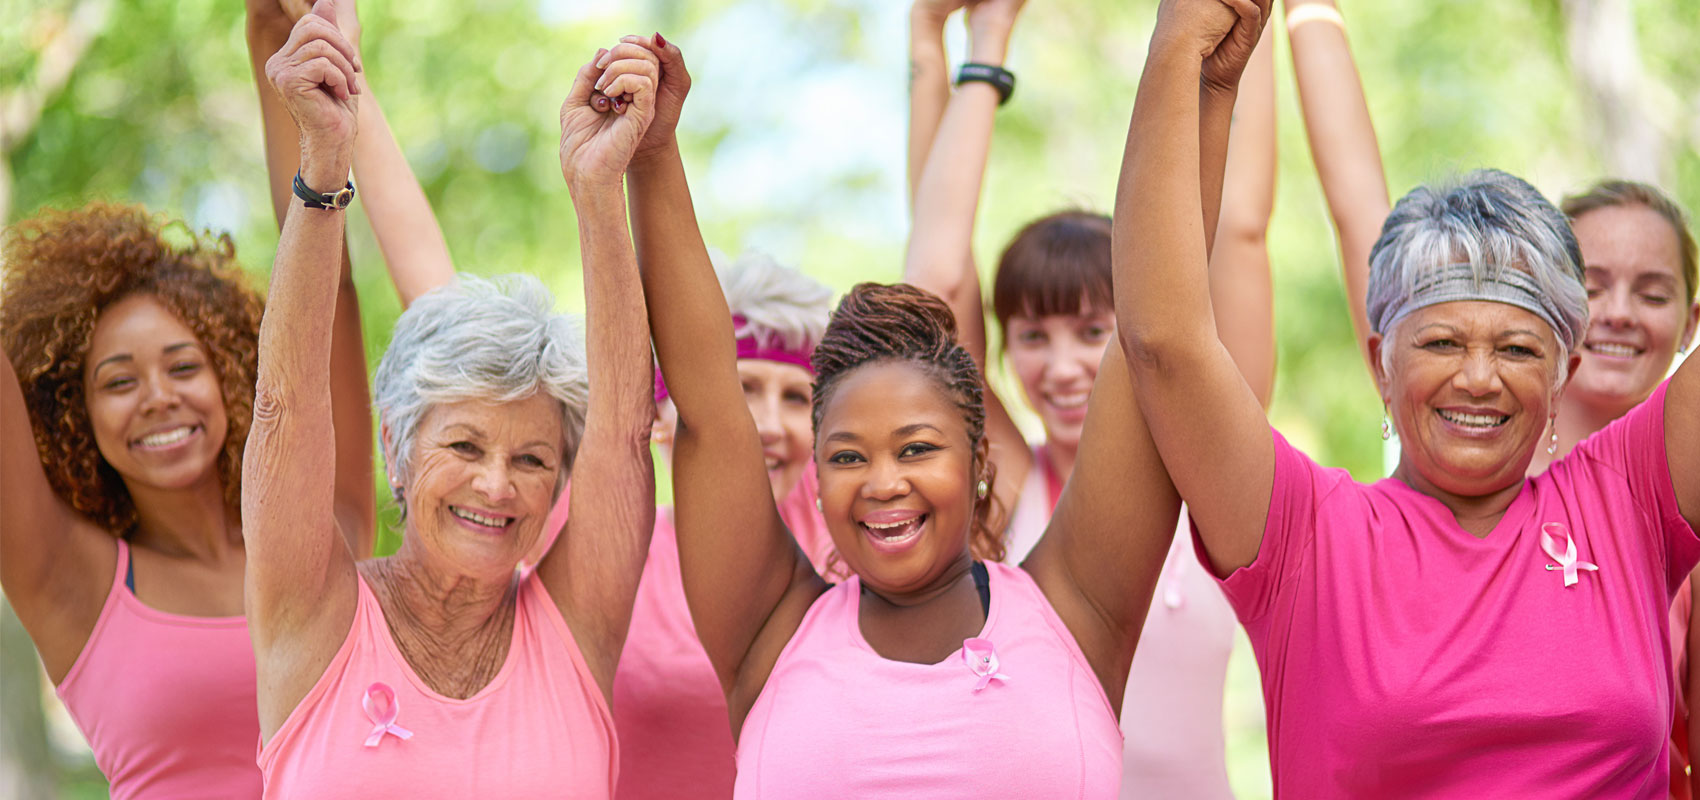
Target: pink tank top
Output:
[(371, 728), (1015, 713), (1172, 709), (166, 701)]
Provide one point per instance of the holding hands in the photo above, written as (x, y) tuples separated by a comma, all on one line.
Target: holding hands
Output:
[(317, 76), (1221, 32), (607, 113)]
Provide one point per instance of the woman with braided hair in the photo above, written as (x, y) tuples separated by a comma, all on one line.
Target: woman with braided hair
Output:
[(922, 673)]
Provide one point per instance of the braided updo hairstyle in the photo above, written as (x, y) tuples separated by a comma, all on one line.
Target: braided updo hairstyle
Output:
[(877, 323)]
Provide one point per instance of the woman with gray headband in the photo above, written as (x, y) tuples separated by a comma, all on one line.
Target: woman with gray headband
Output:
[(1457, 628)]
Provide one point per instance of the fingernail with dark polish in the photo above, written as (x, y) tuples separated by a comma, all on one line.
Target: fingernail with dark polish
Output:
[(659, 40)]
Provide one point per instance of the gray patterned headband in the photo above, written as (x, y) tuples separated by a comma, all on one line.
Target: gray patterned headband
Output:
[(1499, 284)]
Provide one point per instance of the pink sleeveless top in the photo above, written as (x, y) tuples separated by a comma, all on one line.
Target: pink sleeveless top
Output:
[(675, 735), (371, 728), (1015, 713), (1172, 709), (166, 701)]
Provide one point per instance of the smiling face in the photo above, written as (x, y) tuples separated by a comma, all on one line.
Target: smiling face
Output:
[(1056, 359), (1637, 304), (153, 398), (1470, 387), (779, 396), (484, 477), (897, 476)]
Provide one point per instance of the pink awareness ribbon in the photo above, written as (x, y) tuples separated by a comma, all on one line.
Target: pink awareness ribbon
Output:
[(1550, 534), (381, 707), (982, 660)]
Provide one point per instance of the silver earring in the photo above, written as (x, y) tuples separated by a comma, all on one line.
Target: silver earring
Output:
[(1386, 428), (1552, 443), (981, 489)]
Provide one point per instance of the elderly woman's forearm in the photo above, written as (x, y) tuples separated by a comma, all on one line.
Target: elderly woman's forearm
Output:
[(616, 322)]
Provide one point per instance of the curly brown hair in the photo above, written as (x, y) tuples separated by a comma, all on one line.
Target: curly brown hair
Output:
[(61, 270), (898, 322)]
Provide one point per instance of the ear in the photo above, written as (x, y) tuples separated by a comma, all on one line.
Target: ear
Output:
[(1569, 375), (385, 448), (1378, 371), (983, 467)]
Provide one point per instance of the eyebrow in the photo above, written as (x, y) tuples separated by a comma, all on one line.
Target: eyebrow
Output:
[(170, 348)]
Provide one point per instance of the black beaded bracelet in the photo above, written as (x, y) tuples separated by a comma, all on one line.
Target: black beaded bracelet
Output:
[(1001, 79)]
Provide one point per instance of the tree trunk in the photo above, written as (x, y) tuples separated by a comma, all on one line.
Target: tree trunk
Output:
[(26, 758), (1623, 125)]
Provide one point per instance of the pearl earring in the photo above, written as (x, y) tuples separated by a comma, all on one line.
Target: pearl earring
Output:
[(817, 505), (1552, 443), (1386, 428), (981, 489)]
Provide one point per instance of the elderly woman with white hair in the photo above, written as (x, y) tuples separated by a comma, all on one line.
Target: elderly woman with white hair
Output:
[(1457, 629), (445, 671), (668, 704)]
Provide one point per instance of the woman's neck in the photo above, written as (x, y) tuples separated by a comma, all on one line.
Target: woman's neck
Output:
[(454, 629), (1477, 514), (193, 522), (926, 626)]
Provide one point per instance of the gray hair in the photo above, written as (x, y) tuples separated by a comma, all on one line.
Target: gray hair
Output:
[(1488, 230), (781, 306), (474, 339)]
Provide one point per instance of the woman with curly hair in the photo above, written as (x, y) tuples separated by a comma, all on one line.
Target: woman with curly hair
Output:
[(125, 403)]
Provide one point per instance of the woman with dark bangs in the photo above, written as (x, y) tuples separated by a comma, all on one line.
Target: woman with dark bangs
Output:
[(920, 675), (1052, 299), (125, 401)]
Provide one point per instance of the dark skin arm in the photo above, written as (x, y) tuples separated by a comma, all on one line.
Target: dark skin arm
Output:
[(747, 581)]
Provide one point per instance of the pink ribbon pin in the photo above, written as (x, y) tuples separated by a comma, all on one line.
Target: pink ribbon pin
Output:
[(381, 707), (982, 660), (1550, 534)]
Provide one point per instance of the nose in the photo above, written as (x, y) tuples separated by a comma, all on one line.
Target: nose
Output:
[(1478, 375), (158, 395), (494, 481), (1612, 309), (885, 481), (765, 410)]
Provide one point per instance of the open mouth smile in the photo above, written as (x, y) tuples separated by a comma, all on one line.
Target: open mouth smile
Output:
[(166, 439), (893, 531), (484, 523), (1473, 421)]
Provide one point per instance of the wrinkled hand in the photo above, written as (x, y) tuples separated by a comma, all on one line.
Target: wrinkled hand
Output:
[(607, 113), (1223, 32), (316, 74), (347, 15), (675, 84)]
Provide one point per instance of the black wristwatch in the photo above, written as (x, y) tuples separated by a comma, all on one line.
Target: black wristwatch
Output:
[(1001, 79), (336, 201)]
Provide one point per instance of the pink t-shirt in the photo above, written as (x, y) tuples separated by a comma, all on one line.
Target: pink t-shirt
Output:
[(1172, 709), (837, 720), (539, 729), (166, 701), (1404, 657), (675, 732)]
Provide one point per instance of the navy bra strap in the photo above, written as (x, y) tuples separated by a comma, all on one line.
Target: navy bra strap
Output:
[(130, 573), (982, 584)]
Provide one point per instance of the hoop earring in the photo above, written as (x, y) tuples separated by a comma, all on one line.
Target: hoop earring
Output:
[(981, 489)]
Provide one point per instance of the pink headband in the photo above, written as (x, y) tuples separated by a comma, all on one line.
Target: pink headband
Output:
[(748, 348)]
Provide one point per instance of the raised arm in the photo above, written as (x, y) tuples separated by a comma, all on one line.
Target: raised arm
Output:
[(747, 581), (1240, 288), (269, 26), (299, 587), (929, 80), (593, 569), (1342, 143), (55, 564), (1205, 420), (940, 256)]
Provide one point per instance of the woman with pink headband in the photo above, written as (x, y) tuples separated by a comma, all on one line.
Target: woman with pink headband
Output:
[(1053, 302), (1459, 628), (668, 704), (1639, 268)]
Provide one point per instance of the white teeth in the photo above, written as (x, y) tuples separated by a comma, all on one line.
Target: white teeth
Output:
[(887, 527), (1614, 350), (1069, 400), (172, 436), (1474, 420), (494, 522)]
